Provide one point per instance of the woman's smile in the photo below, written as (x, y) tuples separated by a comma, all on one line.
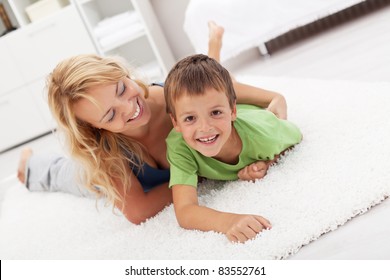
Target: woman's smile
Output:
[(138, 112)]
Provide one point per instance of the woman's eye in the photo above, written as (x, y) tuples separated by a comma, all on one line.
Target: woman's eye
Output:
[(121, 88), (112, 116), (216, 113)]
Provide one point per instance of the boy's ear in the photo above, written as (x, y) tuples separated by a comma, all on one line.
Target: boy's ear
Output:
[(234, 111), (174, 122)]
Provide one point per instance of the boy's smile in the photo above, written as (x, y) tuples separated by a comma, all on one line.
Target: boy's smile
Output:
[(208, 140), (205, 121)]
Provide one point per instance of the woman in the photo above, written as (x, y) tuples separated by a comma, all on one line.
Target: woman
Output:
[(116, 126)]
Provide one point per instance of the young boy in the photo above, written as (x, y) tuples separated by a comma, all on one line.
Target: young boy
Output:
[(216, 139)]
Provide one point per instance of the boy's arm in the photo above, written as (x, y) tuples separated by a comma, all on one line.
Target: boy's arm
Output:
[(190, 215), (272, 101)]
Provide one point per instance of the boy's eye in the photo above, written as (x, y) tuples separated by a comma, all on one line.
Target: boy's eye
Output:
[(189, 119), (216, 113)]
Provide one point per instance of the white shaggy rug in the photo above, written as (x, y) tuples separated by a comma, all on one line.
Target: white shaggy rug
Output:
[(340, 170)]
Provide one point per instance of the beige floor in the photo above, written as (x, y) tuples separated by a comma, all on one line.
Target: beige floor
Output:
[(355, 51)]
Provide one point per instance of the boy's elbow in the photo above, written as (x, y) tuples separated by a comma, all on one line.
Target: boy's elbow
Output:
[(183, 219), (184, 223)]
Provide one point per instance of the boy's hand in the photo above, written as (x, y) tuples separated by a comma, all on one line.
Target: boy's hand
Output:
[(244, 227), (190, 215), (256, 170)]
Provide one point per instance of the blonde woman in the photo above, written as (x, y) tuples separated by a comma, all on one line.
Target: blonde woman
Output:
[(115, 127)]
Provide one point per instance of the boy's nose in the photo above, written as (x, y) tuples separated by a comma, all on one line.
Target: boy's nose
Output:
[(204, 125)]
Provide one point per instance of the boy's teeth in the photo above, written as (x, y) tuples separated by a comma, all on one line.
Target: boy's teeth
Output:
[(209, 139)]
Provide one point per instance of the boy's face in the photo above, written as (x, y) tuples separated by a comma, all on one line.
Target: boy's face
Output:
[(205, 121)]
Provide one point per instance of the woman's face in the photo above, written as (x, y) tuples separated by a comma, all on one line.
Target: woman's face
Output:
[(120, 108)]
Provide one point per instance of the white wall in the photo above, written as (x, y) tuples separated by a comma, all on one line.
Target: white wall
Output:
[(170, 14)]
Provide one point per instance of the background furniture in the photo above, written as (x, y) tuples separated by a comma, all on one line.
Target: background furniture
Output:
[(268, 25)]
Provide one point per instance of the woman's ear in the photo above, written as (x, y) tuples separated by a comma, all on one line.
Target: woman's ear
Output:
[(174, 122)]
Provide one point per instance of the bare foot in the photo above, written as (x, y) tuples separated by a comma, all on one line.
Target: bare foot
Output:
[(215, 31), (24, 156), (215, 40)]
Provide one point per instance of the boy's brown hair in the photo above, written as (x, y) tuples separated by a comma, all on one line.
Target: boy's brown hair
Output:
[(193, 75)]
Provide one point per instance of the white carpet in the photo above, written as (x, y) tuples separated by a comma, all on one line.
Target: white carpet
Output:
[(340, 170)]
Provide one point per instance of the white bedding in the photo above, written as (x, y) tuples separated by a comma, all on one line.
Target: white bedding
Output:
[(340, 170), (250, 23)]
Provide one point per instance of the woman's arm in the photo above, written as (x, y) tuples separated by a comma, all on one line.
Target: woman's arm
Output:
[(190, 215), (138, 206), (272, 101)]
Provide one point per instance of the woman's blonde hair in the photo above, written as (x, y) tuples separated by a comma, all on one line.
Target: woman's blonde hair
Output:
[(104, 155)]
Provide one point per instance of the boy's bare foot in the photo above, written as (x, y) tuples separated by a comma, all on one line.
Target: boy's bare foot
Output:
[(215, 31), (24, 156), (215, 40)]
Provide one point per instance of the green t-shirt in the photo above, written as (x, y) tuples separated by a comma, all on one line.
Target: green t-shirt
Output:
[(263, 136)]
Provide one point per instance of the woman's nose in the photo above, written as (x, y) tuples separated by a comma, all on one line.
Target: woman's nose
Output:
[(127, 107)]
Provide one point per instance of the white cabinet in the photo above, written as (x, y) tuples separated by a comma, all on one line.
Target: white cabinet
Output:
[(38, 93), (19, 119), (38, 47), (38, 8), (27, 56), (128, 29), (9, 73)]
